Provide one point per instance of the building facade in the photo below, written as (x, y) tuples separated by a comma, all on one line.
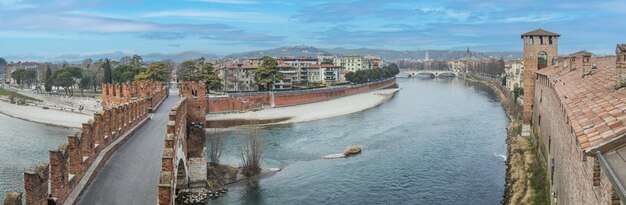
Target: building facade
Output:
[(238, 76), (514, 75), (356, 63)]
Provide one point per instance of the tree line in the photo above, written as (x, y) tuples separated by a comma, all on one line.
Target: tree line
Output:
[(90, 74), (369, 75)]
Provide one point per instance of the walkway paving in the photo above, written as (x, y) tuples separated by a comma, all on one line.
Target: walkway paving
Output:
[(131, 176)]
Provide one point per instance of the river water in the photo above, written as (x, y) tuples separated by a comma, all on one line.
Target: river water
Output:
[(438, 141), (23, 145)]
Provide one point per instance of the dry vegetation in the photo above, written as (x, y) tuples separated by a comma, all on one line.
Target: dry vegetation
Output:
[(526, 181), (216, 141), (251, 149), (13, 198)]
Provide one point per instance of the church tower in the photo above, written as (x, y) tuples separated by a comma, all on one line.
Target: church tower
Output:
[(540, 51), (468, 57)]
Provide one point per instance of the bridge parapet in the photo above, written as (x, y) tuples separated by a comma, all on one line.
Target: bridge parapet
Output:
[(74, 164), (435, 73), (121, 93), (188, 114)]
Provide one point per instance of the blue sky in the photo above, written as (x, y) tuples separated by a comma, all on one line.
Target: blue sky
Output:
[(51, 28)]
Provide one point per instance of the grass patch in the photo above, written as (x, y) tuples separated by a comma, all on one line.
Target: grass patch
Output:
[(8, 93), (538, 179)]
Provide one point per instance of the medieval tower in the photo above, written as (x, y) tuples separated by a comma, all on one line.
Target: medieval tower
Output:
[(540, 51)]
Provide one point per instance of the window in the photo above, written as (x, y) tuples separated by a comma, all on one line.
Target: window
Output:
[(550, 40), (540, 40), (542, 60), (532, 40)]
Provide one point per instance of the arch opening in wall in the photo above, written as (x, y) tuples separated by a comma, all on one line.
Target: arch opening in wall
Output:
[(542, 60), (181, 175)]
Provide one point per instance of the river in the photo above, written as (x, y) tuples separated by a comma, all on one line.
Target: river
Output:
[(24, 144), (438, 141)]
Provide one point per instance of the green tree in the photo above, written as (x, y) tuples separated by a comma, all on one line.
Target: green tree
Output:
[(66, 78), (155, 72), (106, 66), (136, 61), (192, 72), (3, 65), (48, 80), (267, 74), (125, 73), (85, 82), (29, 77), (18, 75)]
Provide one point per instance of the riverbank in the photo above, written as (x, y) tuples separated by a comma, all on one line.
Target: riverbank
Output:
[(311, 111), (44, 116), (526, 181)]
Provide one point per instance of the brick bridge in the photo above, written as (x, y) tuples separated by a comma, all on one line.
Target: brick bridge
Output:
[(435, 73), (134, 153), (75, 165)]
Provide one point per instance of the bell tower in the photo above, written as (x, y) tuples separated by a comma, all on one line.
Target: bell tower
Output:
[(540, 51)]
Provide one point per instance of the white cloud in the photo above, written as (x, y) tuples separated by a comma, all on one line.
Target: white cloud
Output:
[(72, 22), (217, 15)]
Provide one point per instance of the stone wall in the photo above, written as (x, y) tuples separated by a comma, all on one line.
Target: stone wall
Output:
[(570, 171), (289, 98), (119, 94), (67, 164)]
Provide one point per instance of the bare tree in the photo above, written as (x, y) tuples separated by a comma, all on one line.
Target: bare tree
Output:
[(251, 150), (215, 146)]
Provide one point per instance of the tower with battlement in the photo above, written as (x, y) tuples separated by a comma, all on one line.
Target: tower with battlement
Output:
[(540, 51)]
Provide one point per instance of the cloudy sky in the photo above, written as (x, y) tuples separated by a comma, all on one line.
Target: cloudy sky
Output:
[(53, 27)]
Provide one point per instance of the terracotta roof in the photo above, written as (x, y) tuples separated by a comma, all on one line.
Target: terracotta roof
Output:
[(241, 65), (581, 53), (283, 65), (540, 32), (596, 111)]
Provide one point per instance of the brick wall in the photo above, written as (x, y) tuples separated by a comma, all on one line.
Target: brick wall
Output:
[(289, 98), (573, 179), (531, 52), (176, 137), (230, 104), (119, 94), (185, 137)]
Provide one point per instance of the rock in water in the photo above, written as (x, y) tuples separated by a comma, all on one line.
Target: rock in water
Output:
[(352, 150)]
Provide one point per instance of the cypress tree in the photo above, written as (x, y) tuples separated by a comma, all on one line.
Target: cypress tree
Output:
[(108, 77), (48, 81)]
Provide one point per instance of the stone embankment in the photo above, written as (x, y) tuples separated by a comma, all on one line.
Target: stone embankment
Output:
[(256, 101), (525, 176), (74, 165)]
